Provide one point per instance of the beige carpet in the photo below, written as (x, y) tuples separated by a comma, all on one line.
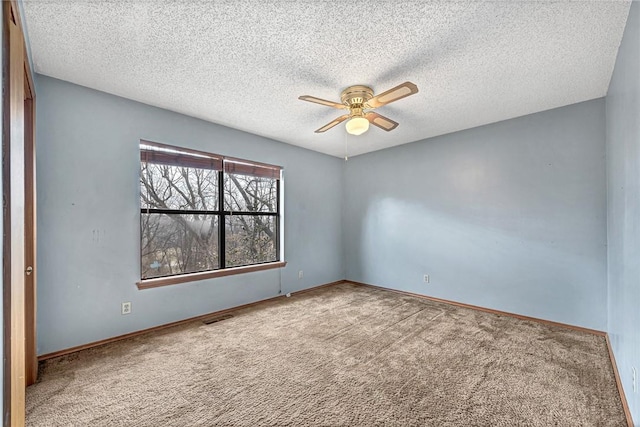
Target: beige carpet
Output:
[(345, 355)]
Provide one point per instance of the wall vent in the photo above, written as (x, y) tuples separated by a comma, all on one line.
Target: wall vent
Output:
[(215, 319)]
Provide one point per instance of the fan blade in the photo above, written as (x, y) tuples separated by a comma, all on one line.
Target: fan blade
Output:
[(333, 123), (322, 101), (401, 91), (381, 121)]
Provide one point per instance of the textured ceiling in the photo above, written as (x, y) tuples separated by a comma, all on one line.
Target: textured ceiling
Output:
[(243, 64)]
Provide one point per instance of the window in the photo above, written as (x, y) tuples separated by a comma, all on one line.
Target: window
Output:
[(202, 212)]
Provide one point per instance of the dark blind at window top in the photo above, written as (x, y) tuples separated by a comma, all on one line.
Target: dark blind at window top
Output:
[(153, 152), (244, 167)]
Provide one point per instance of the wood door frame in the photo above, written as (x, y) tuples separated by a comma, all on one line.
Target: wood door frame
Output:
[(18, 155), (31, 357)]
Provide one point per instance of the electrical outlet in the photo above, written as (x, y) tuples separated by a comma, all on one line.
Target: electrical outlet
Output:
[(126, 308), (426, 278), (300, 274), (634, 379)]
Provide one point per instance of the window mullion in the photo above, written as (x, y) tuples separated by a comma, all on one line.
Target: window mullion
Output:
[(222, 221), (277, 220), (178, 211)]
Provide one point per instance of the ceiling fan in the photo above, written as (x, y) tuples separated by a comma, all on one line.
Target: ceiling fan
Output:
[(359, 100)]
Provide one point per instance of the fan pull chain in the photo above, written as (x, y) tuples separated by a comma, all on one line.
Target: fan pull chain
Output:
[(346, 154)]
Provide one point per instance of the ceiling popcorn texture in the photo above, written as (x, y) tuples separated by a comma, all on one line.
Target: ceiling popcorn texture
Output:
[(243, 64)]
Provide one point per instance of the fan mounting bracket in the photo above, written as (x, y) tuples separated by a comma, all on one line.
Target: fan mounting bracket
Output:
[(356, 96)]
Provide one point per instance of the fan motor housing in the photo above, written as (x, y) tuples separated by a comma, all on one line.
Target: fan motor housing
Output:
[(356, 96)]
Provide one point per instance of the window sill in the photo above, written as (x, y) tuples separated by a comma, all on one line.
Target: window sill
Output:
[(192, 277)]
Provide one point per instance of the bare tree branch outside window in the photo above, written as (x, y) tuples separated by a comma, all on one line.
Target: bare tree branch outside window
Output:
[(250, 239)]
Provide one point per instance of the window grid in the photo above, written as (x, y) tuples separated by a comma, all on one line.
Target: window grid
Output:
[(240, 167)]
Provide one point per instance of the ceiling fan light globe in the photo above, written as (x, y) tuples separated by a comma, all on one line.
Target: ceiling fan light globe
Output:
[(357, 126)]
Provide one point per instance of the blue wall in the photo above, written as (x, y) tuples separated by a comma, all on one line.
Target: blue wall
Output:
[(623, 208), (88, 216), (510, 216)]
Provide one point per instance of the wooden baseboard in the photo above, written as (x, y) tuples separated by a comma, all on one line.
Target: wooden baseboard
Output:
[(623, 398), (326, 285), (486, 310), (172, 324)]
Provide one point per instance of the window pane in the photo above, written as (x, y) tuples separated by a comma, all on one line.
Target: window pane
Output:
[(250, 239), (178, 243), (250, 193), (178, 187)]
